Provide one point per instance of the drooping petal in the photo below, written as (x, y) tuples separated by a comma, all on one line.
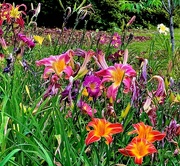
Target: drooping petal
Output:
[(91, 137)]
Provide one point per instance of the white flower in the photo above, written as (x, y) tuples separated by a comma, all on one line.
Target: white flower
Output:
[(162, 29)]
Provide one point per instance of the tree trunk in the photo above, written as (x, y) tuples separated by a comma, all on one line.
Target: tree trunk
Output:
[(171, 24)]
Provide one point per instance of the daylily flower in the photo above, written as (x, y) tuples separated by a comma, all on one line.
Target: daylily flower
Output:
[(86, 108), (14, 11), (117, 56), (53, 87), (173, 130), (138, 148), (162, 29), (87, 56), (102, 39), (150, 108), (102, 128), (160, 93), (71, 91), (3, 43), (38, 39), (147, 132), (100, 59), (92, 84), (26, 40), (12, 14), (144, 71), (57, 64), (116, 40), (117, 74)]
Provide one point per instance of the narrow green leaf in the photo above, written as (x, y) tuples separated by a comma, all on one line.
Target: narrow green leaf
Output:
[(8, 157)]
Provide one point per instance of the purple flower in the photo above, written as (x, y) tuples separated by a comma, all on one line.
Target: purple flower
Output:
[(103, 39), (116, 56), (86, 108), (116, 40), (92, 84), (172, 130), (160, 92), (26, 40)]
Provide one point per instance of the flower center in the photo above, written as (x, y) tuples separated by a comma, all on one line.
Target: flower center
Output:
[(59, 66), (118, 76), (92, 86), (163, 28)]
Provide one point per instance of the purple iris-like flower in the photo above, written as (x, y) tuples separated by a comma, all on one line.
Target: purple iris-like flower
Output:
[(92, 84), (144, 71), (173, 130)]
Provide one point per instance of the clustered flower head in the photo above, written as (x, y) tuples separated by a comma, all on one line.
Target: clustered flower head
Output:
[(162, 29)]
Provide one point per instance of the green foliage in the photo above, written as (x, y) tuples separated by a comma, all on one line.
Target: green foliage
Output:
[(176, 17), (41, 130)]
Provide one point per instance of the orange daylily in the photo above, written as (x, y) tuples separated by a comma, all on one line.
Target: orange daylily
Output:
[(102, 128), (138, 148), (147, 132)]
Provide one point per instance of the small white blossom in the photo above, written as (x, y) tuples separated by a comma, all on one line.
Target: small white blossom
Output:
[(162, 29)]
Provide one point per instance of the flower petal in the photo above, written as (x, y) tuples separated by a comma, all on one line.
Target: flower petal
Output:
[(91, 137)]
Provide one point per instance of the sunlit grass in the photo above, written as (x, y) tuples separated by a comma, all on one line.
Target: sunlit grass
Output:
[(43, 118)]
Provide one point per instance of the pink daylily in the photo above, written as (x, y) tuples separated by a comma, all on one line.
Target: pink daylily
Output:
[(57, 65), (87, 57), (117, 74), (100, 59), (86, 108), (160, 93), (116, 40)]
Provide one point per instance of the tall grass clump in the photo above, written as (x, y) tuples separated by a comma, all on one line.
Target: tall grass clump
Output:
[(72, 97)]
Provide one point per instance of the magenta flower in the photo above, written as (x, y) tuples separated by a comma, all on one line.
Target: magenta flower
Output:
[(92, 84), (117, 74), (87, 57), (86, 109), (102, 39), (116, 56), (26, 40), (100, 59), (3, 43), (160, 92), (116, 40), (58, 65)]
